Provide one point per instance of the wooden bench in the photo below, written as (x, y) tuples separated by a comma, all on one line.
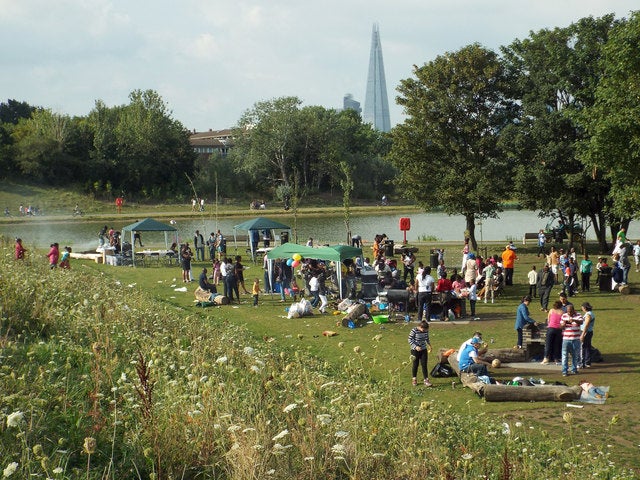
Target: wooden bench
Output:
[(529, 236)]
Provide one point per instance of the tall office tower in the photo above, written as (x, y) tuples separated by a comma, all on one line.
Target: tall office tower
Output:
[(349, 102), (376, 105)]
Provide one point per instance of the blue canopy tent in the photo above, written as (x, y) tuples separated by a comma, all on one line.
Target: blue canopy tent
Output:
[(335, 253), (148, 225), (255, 226)]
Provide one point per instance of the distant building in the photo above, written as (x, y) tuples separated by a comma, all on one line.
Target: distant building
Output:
[(376, 104), (213, 141), (348, 103)]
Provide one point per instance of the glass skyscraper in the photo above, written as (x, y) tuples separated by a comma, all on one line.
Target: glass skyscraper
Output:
[(376, 104)]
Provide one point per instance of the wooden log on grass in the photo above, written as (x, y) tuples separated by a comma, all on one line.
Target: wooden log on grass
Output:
[(536, 393)]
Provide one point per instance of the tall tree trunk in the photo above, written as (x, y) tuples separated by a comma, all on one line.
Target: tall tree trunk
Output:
[(600, 228), (471, 228)]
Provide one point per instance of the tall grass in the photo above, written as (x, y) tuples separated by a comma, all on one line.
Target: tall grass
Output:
[(99, 380)]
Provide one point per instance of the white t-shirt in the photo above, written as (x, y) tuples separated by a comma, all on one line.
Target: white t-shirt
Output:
[(425, 284), (314, 285)]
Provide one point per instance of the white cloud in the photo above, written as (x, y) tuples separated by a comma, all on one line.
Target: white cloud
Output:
[(211, 60)]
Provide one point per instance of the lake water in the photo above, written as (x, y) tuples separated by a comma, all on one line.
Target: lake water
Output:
[(82, 235)]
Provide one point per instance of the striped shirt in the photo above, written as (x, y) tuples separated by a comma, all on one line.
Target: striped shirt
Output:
[(418, 338), (571, 329)]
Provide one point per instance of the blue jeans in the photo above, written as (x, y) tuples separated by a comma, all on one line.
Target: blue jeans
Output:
[(570, 347)]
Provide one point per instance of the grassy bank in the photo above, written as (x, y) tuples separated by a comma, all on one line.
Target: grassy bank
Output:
[(168, 390)]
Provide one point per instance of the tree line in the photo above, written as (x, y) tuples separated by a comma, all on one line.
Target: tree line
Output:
[(550, 121)]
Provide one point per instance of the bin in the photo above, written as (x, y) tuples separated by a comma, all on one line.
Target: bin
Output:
[(388, 248), (604, 281), (433, 259), (284, 238)]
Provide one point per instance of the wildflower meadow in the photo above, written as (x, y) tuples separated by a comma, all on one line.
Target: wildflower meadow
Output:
[(99, 380)]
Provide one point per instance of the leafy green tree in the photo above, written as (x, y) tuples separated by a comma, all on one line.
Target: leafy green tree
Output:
[(140, 148), (277, 140), (42, 148), (446, 150), (11, 112), (612, 122), (557, 72), (265, 140)]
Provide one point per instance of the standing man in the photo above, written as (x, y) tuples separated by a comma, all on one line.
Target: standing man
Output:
[(509, 258), (553, 259), (198, 244), (425, 285), (547, 281), (221, 245), (211, 244), (523, 318), (586, 266), (542, 240), (409, 259)]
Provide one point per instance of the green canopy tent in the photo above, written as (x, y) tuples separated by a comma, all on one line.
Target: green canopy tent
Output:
[(335, 253), (148, 225), (259, 224)]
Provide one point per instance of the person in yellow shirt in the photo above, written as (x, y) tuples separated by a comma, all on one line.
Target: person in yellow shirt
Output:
[(255, 291)]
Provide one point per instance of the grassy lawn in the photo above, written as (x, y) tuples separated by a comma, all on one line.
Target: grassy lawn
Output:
[(383, 350), (380, 353)]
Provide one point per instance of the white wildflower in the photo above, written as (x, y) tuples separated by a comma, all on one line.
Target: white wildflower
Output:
[(15, 419), (222, 360), (342, 434), (255, 369), (467, 456), (58, 470), (282, 434), (338, 449), (309, 459), (518, 424), (324, 418), (271, 472), (290, 407), (10, 469), (249, 351)]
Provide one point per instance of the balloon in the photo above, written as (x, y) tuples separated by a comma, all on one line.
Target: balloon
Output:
[(289, 262), (295, 263), (297, 256)]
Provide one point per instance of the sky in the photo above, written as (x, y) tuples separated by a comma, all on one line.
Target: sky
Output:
[(211, 60)]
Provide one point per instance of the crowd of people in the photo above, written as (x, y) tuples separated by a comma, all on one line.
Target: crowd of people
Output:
[(569, 333)]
